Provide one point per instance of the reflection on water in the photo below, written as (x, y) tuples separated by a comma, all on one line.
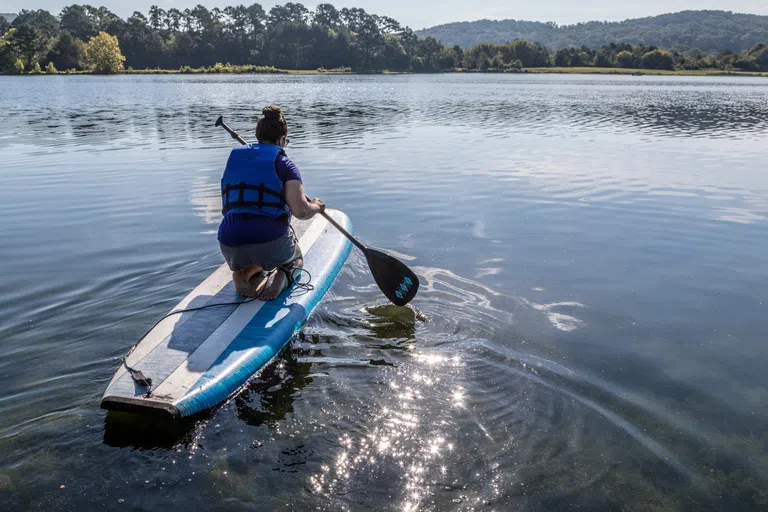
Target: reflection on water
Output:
[(389, 322), (268, 398), (408, 441), (588, 334), (123, 430), (676, 107)]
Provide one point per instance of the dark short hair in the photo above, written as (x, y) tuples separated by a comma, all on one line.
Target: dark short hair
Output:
[(272, 126)]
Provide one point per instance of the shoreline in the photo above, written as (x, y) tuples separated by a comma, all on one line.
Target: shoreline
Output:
[(642, 72), (319, 72)]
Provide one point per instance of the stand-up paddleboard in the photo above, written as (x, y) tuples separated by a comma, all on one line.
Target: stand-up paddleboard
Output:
[(198, 359)]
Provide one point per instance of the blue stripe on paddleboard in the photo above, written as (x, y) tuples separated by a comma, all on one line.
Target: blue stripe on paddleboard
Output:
[(182, 341), (269, 331)]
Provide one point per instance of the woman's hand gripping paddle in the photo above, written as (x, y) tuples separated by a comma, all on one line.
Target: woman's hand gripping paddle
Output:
[(398, 283)]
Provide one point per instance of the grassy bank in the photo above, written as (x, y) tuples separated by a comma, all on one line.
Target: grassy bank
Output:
[(237, 70), (628, 71), (225, 69)]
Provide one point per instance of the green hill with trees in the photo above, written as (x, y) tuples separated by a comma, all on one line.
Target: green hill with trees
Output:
[(240, 39), (709, 31)]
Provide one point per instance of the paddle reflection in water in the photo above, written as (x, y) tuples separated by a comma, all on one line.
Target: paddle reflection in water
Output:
[(397, 324)]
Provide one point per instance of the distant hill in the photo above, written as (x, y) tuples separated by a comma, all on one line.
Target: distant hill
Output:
[(9, 16), (705, 30)]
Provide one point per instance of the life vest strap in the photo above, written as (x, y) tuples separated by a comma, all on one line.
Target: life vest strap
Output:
[(259, 203)]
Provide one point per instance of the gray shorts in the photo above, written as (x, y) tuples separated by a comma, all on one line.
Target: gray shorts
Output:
[(268, 255)]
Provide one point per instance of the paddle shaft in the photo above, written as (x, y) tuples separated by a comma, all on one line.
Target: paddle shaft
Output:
[(238, 138)]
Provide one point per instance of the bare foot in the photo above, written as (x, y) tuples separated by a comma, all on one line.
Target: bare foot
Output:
[(259, 281), (280, 281), (273, 291), (246, 288)]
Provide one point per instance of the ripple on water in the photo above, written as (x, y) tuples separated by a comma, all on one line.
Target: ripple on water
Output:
[(591, 252)]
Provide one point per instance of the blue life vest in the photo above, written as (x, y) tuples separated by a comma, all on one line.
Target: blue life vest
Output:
[(251, 185)]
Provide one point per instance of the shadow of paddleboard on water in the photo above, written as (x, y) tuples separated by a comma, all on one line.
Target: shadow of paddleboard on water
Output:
[(127, 430), (265, 400)]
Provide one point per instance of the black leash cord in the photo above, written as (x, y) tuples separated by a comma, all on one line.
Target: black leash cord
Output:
[(146, 382)]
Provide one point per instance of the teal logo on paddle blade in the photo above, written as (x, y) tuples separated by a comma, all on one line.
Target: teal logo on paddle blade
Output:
[(404, 287)]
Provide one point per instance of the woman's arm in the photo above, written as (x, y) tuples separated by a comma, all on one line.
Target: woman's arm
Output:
[(297, 201)]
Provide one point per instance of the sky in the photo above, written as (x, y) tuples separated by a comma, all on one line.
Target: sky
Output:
[(419, 15)]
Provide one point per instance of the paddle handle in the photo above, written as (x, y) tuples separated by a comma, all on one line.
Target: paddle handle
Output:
[(238, 138), (233, 133)]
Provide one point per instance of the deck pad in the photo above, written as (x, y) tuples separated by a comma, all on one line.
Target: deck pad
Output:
[(198, 359)]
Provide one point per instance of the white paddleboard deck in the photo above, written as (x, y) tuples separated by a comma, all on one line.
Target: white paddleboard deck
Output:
[(198, 359)]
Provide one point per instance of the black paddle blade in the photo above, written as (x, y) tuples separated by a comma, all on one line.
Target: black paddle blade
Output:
[(397, 281)]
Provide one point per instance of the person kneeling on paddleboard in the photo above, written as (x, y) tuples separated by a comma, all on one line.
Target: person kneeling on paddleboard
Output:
[(260, 190)]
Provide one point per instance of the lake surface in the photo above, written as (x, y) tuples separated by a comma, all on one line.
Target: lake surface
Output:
[(590, 334)]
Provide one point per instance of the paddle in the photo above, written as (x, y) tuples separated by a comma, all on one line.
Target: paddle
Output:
[(398, 283)]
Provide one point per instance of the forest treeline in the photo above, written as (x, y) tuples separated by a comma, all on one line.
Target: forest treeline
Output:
[(292, 37), (709, 31)]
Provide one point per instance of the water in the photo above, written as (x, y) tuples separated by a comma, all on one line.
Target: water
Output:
[(589, 334)]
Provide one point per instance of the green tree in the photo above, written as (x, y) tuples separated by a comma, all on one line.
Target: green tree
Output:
[(288, 44), (498, 62), (103, 54), (762, 59), (7, 54), (532, 55), (459, 53), (625, 59), (41, 19), (394, 54), (710, 30), (256, 18), (759, 53), (563, 58), (529, 54), (430, 50), (327, 14), (50, 69), (582, 59), (156, 16), (604, 58), (67, 52), (658, 59), (447, 60), (4, 25), (292, 37), (410, 41), (78, 21), (19, 66), (745, 63), (289, 12), (174, 19), (144, 47), (28, 43)]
